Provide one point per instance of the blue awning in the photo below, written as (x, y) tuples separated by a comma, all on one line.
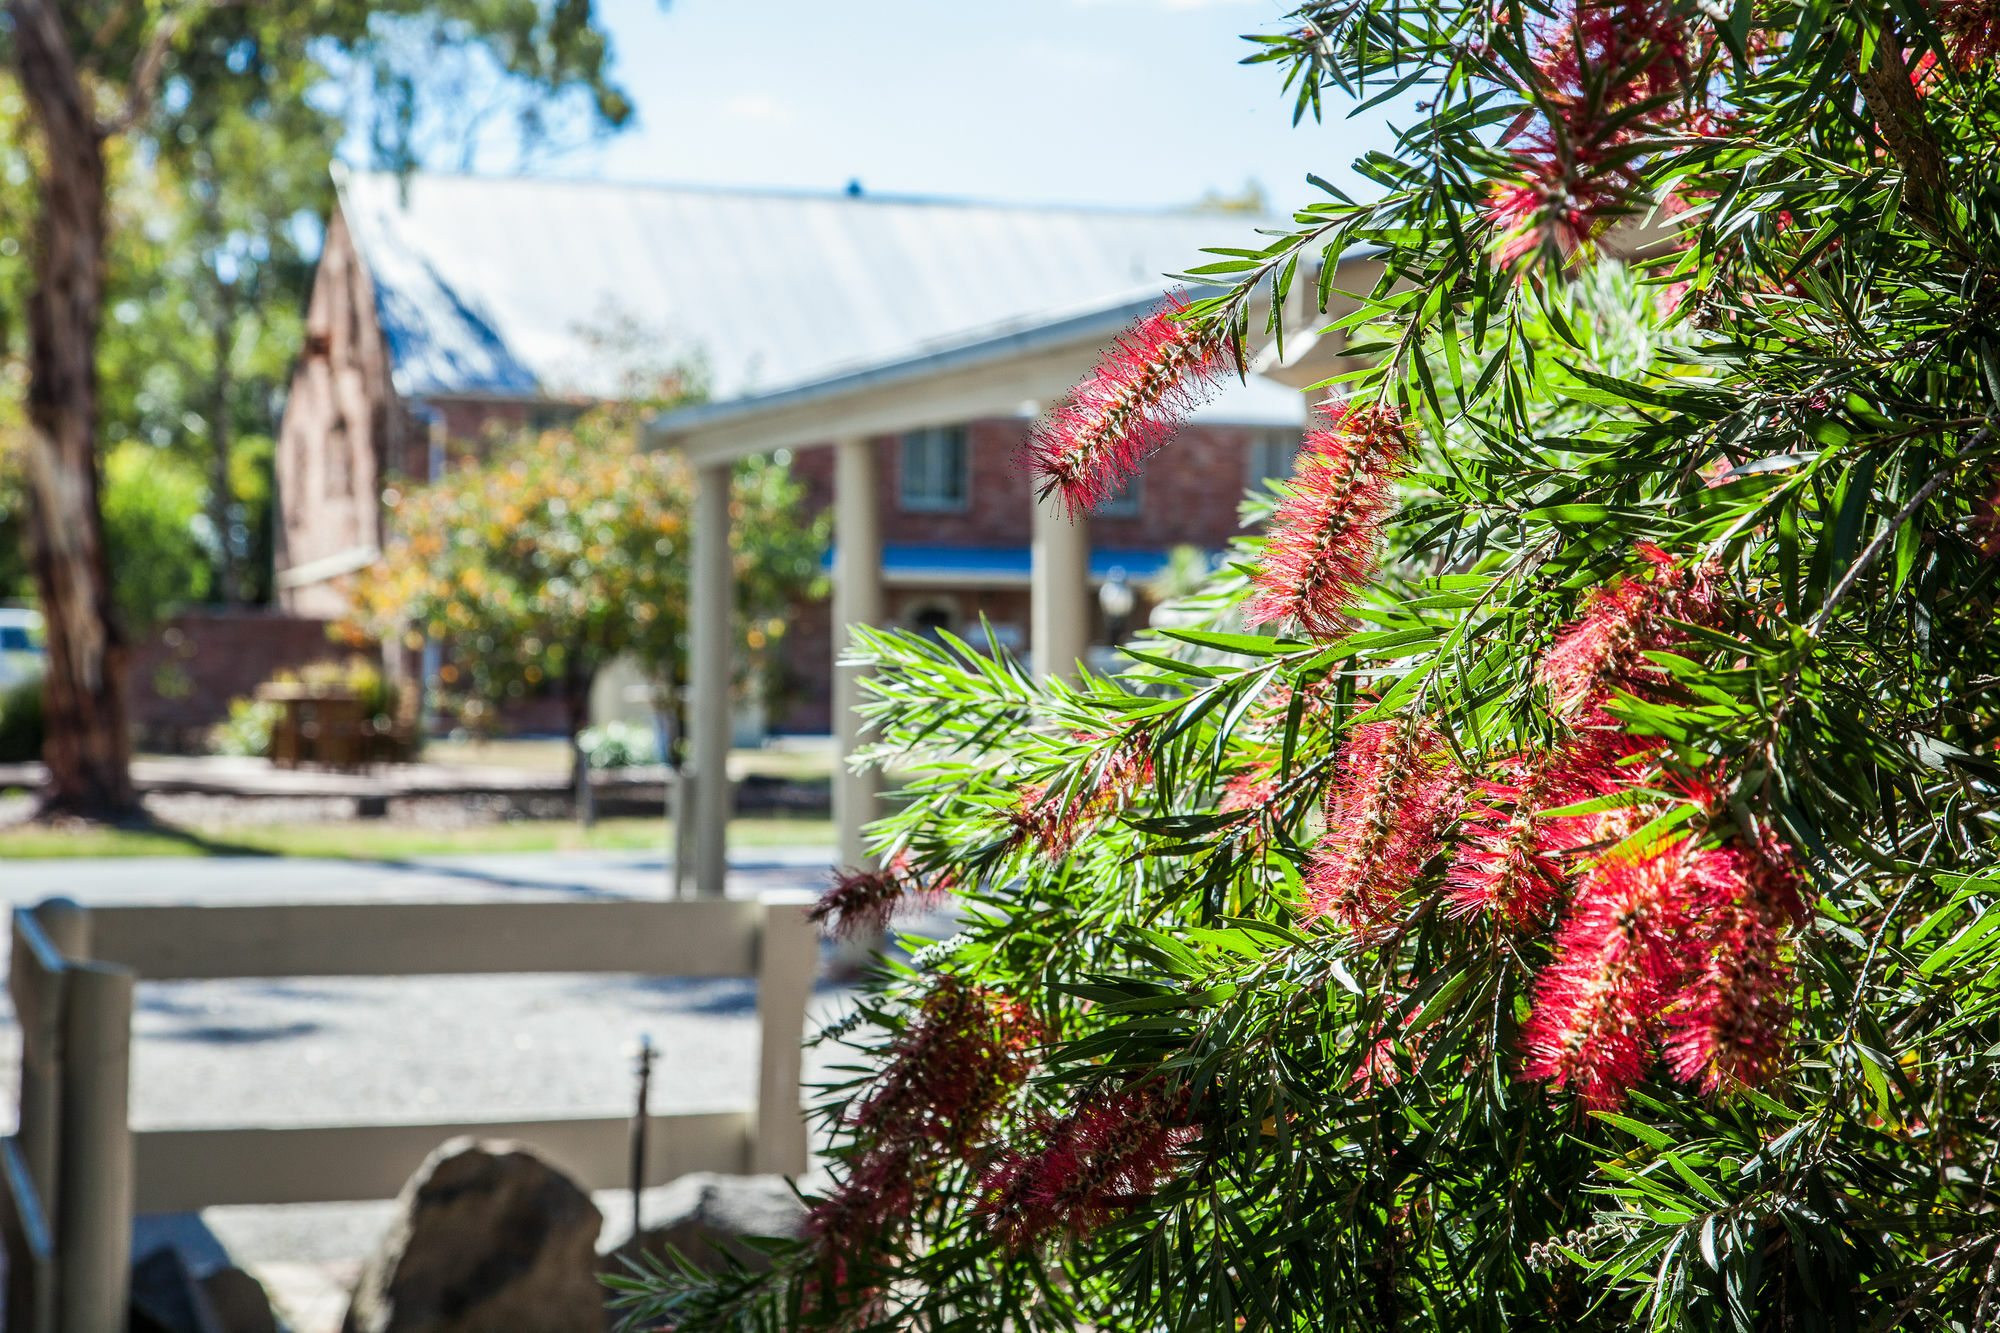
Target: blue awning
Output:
[(1004, 565)]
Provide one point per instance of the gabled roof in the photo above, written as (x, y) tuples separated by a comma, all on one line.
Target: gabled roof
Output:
[(545, 288)]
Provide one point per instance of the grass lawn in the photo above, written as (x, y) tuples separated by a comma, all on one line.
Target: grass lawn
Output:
[(364, 840)]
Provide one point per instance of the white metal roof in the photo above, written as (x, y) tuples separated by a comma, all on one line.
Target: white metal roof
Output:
[(529, 288)]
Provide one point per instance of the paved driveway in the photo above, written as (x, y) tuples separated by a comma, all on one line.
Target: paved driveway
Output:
[(330, 1050), (517, 876)]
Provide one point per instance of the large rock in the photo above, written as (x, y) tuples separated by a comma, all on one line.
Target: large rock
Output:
[(167, 1299), (703, 1215), (239, 1302), (488, 1238)]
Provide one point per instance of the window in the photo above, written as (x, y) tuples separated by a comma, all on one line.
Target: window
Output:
[(1272, 453), (1122, 503), (933, 618), (934, 470)]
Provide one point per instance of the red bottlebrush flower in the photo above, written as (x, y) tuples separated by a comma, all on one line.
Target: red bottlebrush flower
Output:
[(1971, 29), (878, 1192), (1252, 792), (1728, 1021), (1923, 72), (1378, 1067), (962, 1055), (1553, 208), (1575, 173), (1508, 864), (861, 903), (1605, 651), (1617, 959), (1321, 547), (1266, 718), (1158, 371), (965, 1051), (1093, 1165), (1384, 819), (1668, 299), (1251, 789), (1127, 768), (1600, 758), (1050, 823), (1622, 53)]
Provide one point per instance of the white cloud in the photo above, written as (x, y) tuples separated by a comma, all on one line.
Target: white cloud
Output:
[(758, 108)]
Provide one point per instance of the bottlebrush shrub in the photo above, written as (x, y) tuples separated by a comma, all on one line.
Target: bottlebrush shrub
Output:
[(1556, 885)]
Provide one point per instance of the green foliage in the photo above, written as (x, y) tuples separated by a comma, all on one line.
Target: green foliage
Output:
[(619, 745), (356, 675), (1186, 573), (218, 197), (1143, 860), (153, 529), (570, 549), (21, 723), (247, 729)]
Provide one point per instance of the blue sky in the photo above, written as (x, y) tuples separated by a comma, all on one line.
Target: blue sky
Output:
[(1113, 102)]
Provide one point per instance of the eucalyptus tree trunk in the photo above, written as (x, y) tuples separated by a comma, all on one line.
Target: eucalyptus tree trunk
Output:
[(88, 746), (576, 705)]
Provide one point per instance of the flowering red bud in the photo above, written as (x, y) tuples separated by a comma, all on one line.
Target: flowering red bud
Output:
[(1154, 375), (1321, 546)]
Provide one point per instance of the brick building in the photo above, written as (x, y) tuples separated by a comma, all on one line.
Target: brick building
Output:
[(445, 303)]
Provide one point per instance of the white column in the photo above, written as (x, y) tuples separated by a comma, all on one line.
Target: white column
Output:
[(857, 600), (710, 593), (1059, 591)]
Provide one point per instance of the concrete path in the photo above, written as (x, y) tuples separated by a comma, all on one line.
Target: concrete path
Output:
[(331, 1050)]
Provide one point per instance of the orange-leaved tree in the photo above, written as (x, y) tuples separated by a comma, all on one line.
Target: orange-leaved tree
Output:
[(568, 549)]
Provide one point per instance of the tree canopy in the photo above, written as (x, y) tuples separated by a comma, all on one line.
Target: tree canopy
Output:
[(219, 192), (568, 548), (216, 105), (1557, 888)]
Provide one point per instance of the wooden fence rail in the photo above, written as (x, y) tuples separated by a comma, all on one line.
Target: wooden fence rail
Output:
[(74, 1173)]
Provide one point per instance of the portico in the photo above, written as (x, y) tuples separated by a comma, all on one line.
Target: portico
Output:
[(1006, 373)]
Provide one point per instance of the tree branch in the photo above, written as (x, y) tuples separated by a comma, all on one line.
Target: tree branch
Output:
[(144, 83), (113, 24), (1881, 543)]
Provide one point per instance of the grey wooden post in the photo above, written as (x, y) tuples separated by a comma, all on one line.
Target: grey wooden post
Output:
[(31, 1253), (36, 980), (67, 924), (94, 1222), (787, 964)]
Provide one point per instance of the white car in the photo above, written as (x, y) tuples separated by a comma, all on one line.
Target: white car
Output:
[(22, 656)]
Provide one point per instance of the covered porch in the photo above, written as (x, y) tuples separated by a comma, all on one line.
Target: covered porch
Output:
[(1007, 373)]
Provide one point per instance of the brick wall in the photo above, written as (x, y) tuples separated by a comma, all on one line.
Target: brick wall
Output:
[(187, 670), (1188, 495), (808, 711), (341, 428)]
